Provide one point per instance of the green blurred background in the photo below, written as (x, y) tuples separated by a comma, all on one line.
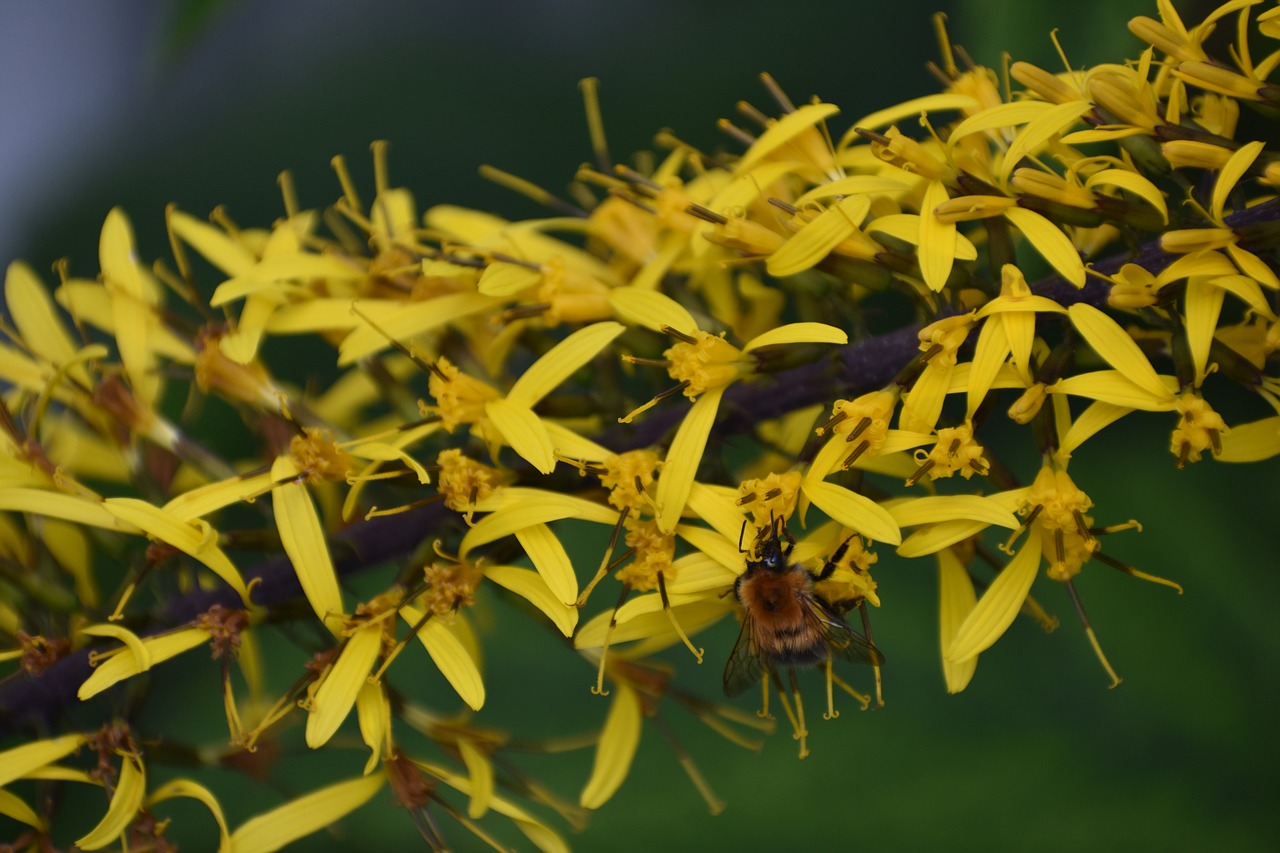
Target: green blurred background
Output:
[(204, 103)]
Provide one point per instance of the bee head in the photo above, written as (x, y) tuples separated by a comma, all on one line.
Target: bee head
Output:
[(773, 554)]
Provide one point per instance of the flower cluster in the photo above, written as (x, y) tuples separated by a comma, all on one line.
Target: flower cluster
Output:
[(772, 362)]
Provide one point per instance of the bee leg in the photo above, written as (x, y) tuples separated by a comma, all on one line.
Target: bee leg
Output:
[(598, 688), (866, 629), (834, 560)]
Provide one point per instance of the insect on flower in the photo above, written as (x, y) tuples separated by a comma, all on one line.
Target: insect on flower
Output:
[(785, 622)]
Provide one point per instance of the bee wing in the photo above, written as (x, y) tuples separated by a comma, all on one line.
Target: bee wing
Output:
[(843, 640), (744, 666)]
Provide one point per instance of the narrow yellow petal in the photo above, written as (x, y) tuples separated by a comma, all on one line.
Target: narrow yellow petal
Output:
[(619, 740), (1134, 183), (852, 185), (38, 323), (645, 620), (798, 333), (549, 558), (717, 506), (196, 539), (922, 405), (201, 501), (1091, 421), (303, 539), (818, 237), (701, 573), (373, 712), (560, 362), (507, 279), (1117, 348), (480, 770), (524, 432), (934, 537), (854, 511), (912, 109), (537, 508), (1253, 266), (337, 694), (1251, 442), (683, 456), (402, 321), (651, 309), (137, 648), (1001, 116), (1038, 131), (783, 131), (129, 306), (935, 508), (906, 227), (160, 648), (937, 239), (1203, 305), (450, 657), (304, 815), (995, 612), (1112, 386), (12, 806), (194, 790), (955, 602), (125, 802), (60, 505), (1050, 241), (213, 244), (717, 546), (21, 760), (988, 355), (530, 586), (1241, 159), (542, 836)]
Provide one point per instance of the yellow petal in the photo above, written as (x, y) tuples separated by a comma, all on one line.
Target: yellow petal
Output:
[(1090, 422), (60, 505), (135, 645), (798, 333), (480, 771), (912, 109), (995, 612), (1050, 241), (160, 648), (526, 511), (196, 539), (303, 539), (213, 244), (507, 279), (1001, 116), (542, 836), (195, 791), (201, 501), (935, 508), (125, 802), (716, 546), (1253, 266), (937, 239), (450, 657), (681, 465), (818, 237), (1241, 159), (549, 558), (1251, 442), (37, 321), (121, 273), (1134, 183), (619, 740), (531, 587), (651, 309), (700, 573), (12, 806), (1040, 130), (906, 227), (304, 815), (922, 405), (935, 537), (854, 511), (783, 130), (337, 693), (717, 506), (404, 321), (1203, 304), (955, 601), (988, 355), (373, 712), (1112, 386), (852, 185), (1117, 348), (524, 432), (21, 760), (644, 619), (560, 362)]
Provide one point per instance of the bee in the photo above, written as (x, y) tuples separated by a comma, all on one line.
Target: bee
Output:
[(785, 622)]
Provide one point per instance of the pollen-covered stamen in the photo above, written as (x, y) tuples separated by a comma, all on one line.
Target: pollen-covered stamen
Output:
[(1199, 428), (460, 399), (463, 481), (318, 457), (772, 497), (39, 653), (956, 450), (628, 477)]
